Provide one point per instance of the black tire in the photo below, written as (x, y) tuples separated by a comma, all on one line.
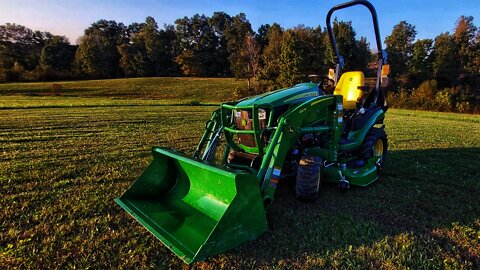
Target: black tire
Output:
[(309, 176), (376, 138)]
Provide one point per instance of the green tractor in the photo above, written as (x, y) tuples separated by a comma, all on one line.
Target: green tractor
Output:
[(330, 131)]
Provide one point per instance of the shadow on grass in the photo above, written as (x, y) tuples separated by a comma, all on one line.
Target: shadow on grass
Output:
[(419, 190)]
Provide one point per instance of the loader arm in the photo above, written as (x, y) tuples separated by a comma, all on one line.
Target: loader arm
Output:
[(211, 127), (318, 115)]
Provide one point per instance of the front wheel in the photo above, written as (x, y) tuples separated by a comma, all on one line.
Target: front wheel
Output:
[(309, 174), (375, 145)]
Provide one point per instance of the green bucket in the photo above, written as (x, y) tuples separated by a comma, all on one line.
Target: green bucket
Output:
[(196, 209)]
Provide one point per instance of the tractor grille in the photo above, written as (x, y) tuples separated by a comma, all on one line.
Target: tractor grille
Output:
[(243, 121)]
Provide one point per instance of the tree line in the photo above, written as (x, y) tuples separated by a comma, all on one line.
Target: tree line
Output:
[(216, 46), (436, 74), (227, 46)]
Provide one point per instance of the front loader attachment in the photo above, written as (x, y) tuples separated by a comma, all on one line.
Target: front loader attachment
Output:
[(196, 209)]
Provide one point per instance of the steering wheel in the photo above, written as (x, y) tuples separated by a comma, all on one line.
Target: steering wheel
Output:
[(327, 84)]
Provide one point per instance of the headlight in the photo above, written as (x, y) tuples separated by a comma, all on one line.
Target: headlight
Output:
[(237, 114), (262, 114)]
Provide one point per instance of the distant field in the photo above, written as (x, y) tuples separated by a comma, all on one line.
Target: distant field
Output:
[(64, 159), (175, 89)]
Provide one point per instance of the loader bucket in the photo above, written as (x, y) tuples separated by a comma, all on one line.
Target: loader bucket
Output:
[(196, 209)]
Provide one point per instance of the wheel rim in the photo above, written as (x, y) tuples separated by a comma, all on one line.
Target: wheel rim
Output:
[(378, 148)]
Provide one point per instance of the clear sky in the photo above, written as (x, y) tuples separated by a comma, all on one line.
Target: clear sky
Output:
[(71, 17)]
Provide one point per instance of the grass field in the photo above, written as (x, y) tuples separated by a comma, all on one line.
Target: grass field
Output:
[(176, 90), (64, 159)]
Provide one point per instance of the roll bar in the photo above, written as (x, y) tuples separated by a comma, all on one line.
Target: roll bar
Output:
[(382, 54)]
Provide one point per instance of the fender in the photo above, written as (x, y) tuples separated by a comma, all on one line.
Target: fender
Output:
[(359, 135)]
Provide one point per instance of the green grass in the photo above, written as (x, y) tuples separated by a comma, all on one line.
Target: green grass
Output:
[(177, 89), (64, 159)]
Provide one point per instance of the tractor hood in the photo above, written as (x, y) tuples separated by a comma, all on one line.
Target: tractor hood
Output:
[(295, 95)]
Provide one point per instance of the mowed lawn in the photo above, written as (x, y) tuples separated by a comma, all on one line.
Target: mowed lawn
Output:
[(64, 159), (172, 89)]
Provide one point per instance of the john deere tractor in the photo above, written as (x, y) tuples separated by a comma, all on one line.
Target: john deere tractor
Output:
[(208, 203)]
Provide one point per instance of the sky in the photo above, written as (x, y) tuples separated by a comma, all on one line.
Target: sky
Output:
[(71, 17)]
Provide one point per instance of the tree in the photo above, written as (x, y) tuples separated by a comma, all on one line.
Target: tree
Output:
[(134, 61), (168, 39), (22, 45), (400, 47), (95, 58), (355, 52), (148, 39), (238, 57), (290, 61), (476, 68), (150, 50), (262, 36), (21, 51), (253, 54), (330, 58), (58, 55), (346, 43), (362, 55), (271, 54), (197, 45), (421, 61), (97, 55), (446, 64), (219, 22), (311, 48), (464, 37)]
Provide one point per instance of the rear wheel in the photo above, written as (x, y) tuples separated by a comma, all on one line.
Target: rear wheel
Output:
[(375, 145)]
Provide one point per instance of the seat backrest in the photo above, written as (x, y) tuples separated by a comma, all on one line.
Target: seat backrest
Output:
[(347, 86)]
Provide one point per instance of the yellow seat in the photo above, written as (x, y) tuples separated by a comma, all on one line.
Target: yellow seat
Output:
[(347, 86)]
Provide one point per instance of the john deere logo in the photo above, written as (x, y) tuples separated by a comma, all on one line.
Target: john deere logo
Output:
[(244, 122)]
